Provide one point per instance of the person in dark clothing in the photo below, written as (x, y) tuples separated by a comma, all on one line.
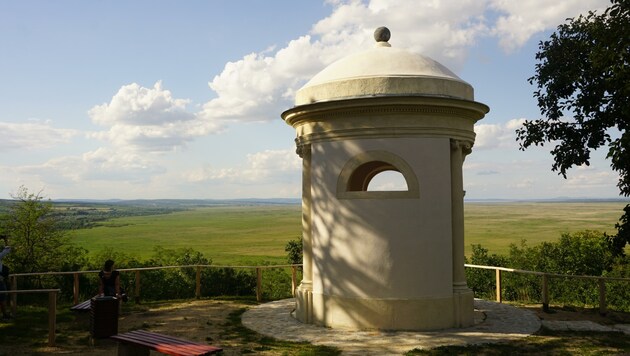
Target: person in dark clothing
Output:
[(109, 281), (4, 279)]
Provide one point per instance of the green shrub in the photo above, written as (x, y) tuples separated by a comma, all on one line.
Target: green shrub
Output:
[(581, 253), (483, 281), (618, 292)]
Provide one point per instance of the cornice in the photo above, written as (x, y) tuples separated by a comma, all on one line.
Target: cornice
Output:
[(384, 107)]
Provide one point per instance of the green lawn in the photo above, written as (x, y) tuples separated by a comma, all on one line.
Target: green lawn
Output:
[(253, 234)]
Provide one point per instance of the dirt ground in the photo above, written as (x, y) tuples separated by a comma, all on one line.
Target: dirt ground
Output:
[(205, 321), (209, 321)]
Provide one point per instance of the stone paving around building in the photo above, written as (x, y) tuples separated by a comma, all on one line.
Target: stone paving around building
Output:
[(494, 322), (585, 325)]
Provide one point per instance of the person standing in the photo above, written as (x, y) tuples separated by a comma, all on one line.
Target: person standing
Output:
[(4, 279), (109, 280)]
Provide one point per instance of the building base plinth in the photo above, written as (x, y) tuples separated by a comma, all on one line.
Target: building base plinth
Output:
[(385, 314)]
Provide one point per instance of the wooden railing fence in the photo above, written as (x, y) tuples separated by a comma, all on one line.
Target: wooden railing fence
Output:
[(53, 293), (52, 308), (545, 277), (137, 284)]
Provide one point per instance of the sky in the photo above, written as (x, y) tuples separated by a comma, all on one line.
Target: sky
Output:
[(175, 99)]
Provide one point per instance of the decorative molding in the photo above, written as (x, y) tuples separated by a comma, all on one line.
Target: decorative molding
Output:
[(301, 147), (465, 146), (386, 105), (401, 132), (406, 110)]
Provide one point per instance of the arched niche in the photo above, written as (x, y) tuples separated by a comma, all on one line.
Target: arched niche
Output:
[(359, 171)]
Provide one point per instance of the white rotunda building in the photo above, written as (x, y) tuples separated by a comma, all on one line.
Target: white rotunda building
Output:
[(379, 259)]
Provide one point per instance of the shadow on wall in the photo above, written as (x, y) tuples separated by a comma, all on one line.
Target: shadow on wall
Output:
[(378, 248)]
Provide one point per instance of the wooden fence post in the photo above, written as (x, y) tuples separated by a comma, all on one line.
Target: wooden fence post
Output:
[(137, 289), (75, 288), (545, 293), (198, 284), (52, 317), (14, 296), (258, 284), (602, 296), (498, 285), (293, 280)]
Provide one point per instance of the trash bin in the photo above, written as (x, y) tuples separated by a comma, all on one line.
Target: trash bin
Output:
[(103, 317)]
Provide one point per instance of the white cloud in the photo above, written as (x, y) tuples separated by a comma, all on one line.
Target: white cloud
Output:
[(491, 136), (520, 20), (265, 166), (136, 105), (523, 184), (32, 135), (585, 180), (488, 172), (260, 86), (100, 165), (148, 119)]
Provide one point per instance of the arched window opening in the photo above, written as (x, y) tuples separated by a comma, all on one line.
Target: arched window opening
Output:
[(362, 175), (388, 181), (377, 175)]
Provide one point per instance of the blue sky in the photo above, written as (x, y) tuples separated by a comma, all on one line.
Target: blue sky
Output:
[(182, 99)]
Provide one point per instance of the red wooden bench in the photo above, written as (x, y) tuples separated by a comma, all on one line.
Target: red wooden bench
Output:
[(139, 342)]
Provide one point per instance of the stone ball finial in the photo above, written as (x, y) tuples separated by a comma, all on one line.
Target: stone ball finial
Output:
[(382, 34)]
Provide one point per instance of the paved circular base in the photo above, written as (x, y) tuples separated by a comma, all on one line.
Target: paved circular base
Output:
[(502, 323)]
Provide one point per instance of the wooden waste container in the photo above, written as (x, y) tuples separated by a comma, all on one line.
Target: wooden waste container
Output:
[(103, 317)]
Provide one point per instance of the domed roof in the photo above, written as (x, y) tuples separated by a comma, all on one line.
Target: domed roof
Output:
[(383, 71)]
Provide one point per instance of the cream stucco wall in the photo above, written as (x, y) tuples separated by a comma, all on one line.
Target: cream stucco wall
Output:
[(382, 263), (382, 247)]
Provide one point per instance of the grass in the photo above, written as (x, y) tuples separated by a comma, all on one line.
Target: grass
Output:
[(30, 328), (228, 235), (497, 225), (251, 235), (546, 342)]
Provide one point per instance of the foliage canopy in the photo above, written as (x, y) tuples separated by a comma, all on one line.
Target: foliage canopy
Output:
[(583, 91), (38, 244)]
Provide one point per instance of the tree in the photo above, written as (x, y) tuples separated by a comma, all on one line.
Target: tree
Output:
[(583, 91), (38, 244), (294, 251)]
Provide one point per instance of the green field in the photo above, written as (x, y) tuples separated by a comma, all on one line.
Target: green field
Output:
[(253, 234), (497, 225), (227, 235)]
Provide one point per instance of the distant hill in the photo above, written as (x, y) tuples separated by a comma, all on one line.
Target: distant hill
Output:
[(87, 213), (185, 203), (191, 203), (551, 200)]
